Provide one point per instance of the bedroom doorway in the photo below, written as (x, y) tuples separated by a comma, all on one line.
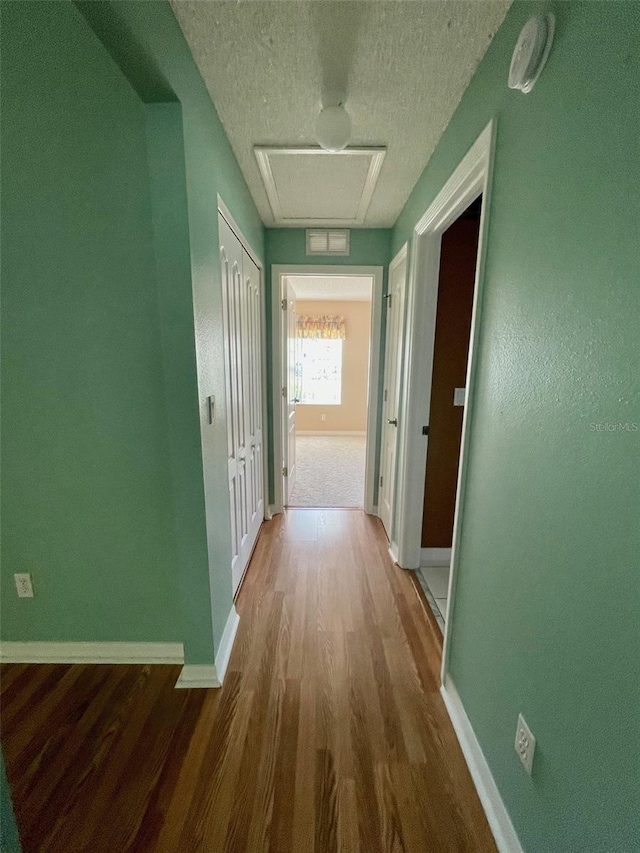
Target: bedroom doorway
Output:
[(328, 341), (328, 402)]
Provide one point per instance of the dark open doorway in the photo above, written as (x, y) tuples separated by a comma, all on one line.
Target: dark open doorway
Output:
[(458, 258)]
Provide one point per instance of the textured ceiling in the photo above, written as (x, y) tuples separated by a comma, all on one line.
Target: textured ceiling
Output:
[(404, 65), (346, 288)]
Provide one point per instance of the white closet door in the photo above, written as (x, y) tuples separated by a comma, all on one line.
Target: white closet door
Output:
[(243, 356)]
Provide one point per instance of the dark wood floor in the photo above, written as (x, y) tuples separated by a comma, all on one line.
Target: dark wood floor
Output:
[(328, 735)]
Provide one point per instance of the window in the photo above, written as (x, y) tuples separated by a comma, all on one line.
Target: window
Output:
[(318, 371)]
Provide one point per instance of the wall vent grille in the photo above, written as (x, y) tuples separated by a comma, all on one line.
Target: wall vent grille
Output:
[(328, 241)]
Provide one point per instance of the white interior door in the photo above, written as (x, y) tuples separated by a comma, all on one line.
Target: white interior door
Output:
[(243, 370), (392, 370), (289, 391), (253, 409)]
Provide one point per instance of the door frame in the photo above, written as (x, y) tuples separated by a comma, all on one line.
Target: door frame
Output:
[(278, 272), (401, 255), (224, 211), (471, 178)]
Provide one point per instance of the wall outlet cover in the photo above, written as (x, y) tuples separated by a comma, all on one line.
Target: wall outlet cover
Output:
[(24, 587), (525, 744)]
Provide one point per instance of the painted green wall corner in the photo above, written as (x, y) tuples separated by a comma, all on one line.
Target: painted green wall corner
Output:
[(9, 839), (368, 247), (86, 498), (170, 221), (547, 606), (114, 496), (151, 30)]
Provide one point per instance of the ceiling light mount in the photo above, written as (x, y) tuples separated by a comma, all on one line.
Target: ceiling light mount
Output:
[(333, 125)]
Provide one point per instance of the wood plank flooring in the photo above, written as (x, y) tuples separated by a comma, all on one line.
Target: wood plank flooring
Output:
[(328, 735)]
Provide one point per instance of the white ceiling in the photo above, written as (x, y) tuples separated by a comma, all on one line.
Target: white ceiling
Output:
[(343, 288), (404, 65)]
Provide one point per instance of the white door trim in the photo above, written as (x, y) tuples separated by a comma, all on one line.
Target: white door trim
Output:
[(397, 260), (288, 404), (224, 210), (268, 509), (470, 179), (278, 271)]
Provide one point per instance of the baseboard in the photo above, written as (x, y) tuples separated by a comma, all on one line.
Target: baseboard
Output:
[(497, 815), (393, 551), (198, 675), (226, 643), (331, 432), (435, 557), (212, 675), (11, 652)]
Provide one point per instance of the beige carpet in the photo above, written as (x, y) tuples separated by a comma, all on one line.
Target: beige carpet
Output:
[(330, 471)]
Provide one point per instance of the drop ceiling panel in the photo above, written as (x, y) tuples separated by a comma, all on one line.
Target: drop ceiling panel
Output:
[(309, 186)]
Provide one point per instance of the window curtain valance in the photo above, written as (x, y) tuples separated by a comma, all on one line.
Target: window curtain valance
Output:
[(325, 327)]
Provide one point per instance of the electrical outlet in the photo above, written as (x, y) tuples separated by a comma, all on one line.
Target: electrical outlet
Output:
[(24, 586), (323, 417), (525, 744)]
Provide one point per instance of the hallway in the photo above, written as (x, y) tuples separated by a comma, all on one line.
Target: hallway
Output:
[(329, 733)]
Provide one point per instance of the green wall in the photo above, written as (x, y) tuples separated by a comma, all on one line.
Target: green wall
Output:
[(547, 607), (170, 222), (86, 498), (113, 496), (147, 43), (368, 247), (9, 840)]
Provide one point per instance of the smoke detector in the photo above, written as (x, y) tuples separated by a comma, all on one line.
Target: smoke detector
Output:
[(531, 52)]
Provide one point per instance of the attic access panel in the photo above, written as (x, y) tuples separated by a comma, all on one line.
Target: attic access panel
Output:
[(310, 186)]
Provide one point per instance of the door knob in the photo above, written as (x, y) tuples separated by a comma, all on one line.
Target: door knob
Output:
[(392, 421), (296, 399)]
